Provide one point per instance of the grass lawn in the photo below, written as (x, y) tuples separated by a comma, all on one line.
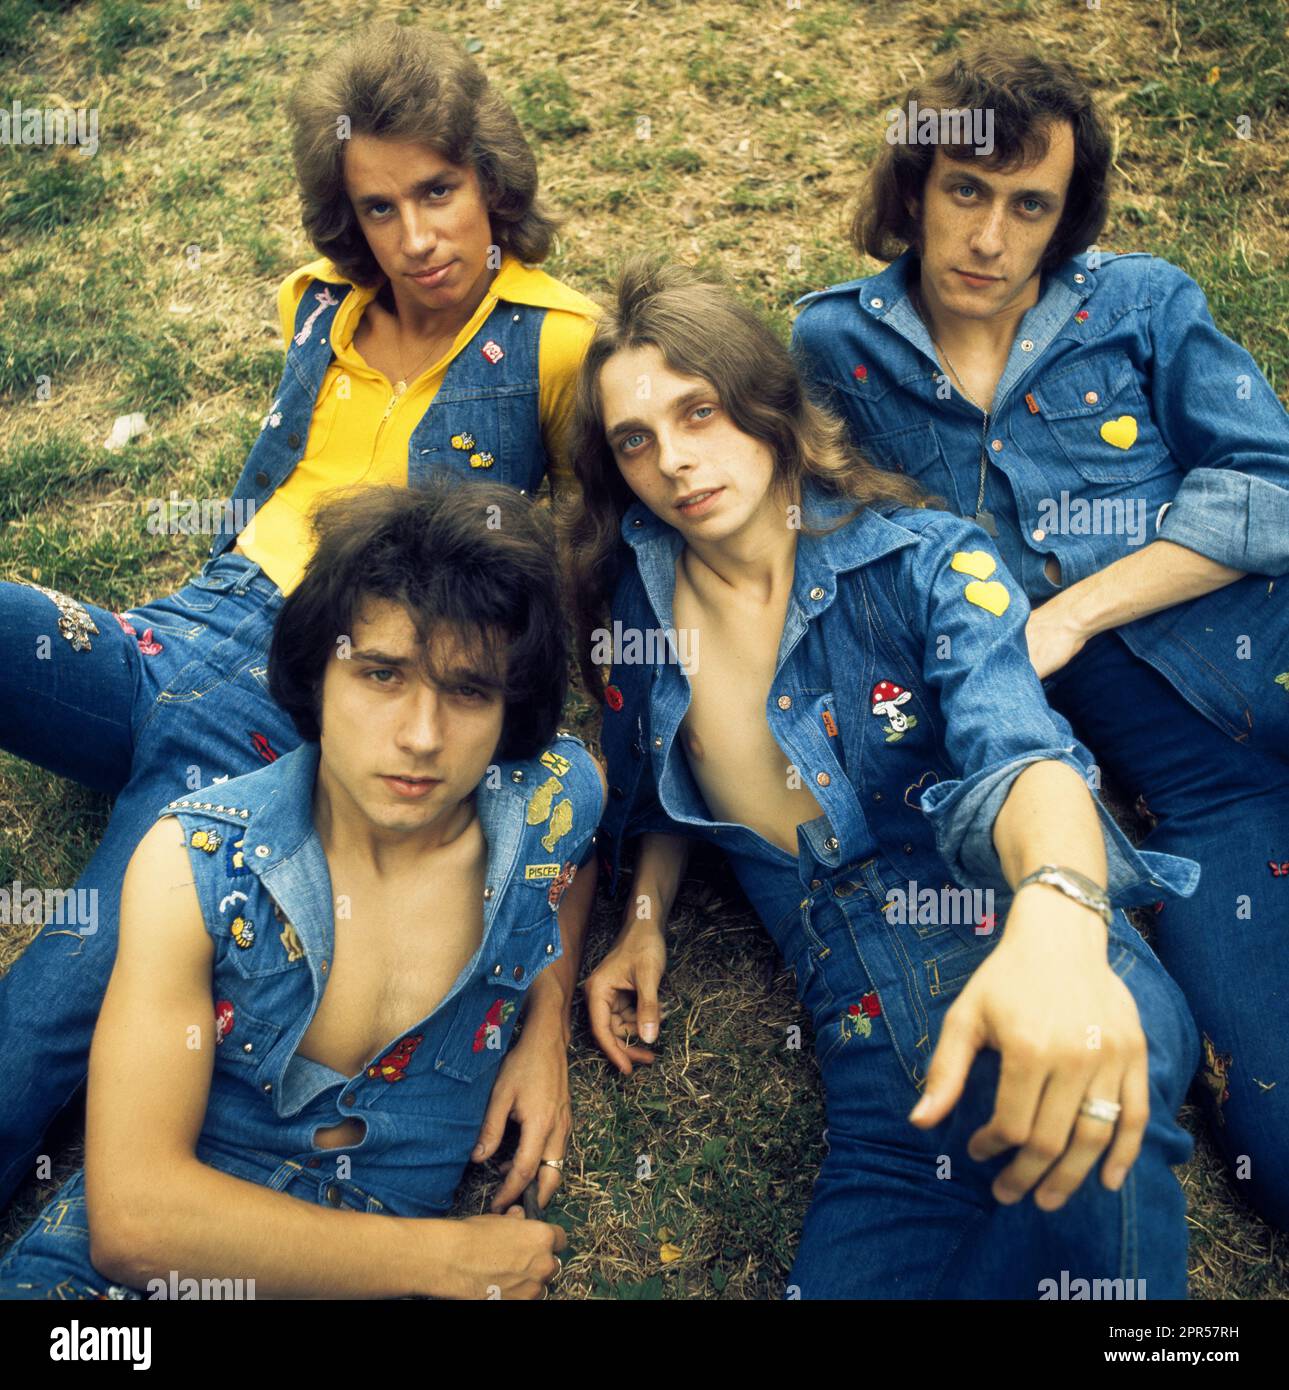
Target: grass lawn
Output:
[(143, 279)]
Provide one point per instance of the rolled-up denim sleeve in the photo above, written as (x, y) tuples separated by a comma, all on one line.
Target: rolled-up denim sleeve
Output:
[(1226, 428), (995, 718)]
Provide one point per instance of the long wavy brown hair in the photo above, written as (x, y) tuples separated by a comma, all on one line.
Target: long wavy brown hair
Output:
[(409, 83), (701, 329)]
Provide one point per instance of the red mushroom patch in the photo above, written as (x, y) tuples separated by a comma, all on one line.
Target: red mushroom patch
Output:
[(886, 699)]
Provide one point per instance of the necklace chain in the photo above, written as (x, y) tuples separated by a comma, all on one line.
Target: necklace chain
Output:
[(981, 514)]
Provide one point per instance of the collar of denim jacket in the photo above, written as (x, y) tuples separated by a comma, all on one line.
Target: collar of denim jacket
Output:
[(283, 849), (819, 560)]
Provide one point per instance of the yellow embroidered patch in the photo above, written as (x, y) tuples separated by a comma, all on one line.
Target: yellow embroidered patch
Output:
[(291, 940), (979, 564), (992, 597), (540, 805), (561, 823), (534, 872), (554, 763), (1122, 433)]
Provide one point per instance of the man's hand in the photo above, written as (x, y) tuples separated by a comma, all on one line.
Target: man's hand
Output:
[(502, 1256), (1068, 1030), (532, 1090), (1054, 637), (622, 994)]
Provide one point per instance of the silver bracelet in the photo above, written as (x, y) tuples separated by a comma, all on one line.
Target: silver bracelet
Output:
[(1074, 885)]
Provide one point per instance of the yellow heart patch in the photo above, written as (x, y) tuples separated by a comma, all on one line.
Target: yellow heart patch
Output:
[(1122, 433), (979, 564), (992, 597)]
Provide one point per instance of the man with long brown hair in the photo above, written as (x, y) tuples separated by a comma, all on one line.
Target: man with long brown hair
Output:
[(862, 719), (419, 340), (1132, 463)]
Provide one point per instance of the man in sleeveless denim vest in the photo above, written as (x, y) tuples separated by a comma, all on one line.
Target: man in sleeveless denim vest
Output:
[(322, 962), (1133, 464), (424, 339)]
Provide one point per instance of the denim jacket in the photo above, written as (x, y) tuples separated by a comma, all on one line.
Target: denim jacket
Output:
[(1122, 416), (491, 393), (902, 694), (265, 892)]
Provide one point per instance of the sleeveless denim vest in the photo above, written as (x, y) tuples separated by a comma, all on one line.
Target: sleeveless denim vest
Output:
[(264, 888), (483, 421)]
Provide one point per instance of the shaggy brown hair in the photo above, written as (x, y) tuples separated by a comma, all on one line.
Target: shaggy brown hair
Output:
[(701, 330), (1027, 94), (409, 83), (474, 559)]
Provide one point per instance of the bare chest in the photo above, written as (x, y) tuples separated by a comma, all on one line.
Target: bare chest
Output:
[(397, 950), (744, 774)]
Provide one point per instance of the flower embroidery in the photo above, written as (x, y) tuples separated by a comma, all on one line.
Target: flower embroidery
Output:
[(393, 1065), (496, 1017), (263, 747), (223, 1019), (613, 697), (856, 1021)]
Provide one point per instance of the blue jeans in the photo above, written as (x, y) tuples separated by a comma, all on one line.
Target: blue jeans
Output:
[(154, 705), (1227, 807), (899, 1212)]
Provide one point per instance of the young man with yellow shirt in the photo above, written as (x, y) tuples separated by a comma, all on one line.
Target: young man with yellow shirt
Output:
[(424, 338)]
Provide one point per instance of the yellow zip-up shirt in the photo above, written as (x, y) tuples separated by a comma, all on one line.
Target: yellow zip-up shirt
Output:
[(356, 436)]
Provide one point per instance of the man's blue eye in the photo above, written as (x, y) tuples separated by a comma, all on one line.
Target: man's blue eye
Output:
[(710, 410), (382, 671), (1032, 205), (626, 443), (965, 188)]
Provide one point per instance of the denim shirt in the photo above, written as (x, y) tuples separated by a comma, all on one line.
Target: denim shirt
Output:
[(491, 392), (264, 888), (903, 695), (1122, 416)]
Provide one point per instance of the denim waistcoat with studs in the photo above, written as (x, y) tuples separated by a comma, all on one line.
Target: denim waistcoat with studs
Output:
[(264, 889), (903, 697), (1122, 416), (488, 400)]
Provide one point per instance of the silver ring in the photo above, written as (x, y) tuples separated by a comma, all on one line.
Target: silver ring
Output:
[(556, 1163), (1107, 1110)]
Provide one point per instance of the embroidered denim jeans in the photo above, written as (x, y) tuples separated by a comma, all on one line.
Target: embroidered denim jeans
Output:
[(1227, 806), (898, 1212), (148, 707)]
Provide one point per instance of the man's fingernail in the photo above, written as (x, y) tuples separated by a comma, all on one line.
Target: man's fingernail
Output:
[(920, 1108), (478, 1151), (1114, 1177), (649, 1032)]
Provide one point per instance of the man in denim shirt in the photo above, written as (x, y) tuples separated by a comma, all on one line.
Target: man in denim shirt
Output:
[(321, 966), (1132, 464), (834, 689)]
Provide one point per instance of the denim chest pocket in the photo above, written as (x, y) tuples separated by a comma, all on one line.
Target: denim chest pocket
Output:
[(202, 592), (244, 1041), (486, 1015), (914, 450), (260, 941), (484, 433), (1099, 419)]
